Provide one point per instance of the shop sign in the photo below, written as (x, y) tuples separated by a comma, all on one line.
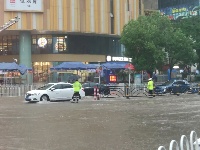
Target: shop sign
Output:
[(42, 42), (23, 5), (181, 11), (110, 58)]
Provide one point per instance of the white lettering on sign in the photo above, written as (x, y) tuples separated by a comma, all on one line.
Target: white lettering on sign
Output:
[(109, 58)]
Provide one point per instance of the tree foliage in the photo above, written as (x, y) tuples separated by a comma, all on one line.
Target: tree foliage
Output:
[(152, 41), (140, 39), (190, 27)]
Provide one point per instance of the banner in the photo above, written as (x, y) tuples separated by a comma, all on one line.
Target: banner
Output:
[(23, 5), (181, 11)]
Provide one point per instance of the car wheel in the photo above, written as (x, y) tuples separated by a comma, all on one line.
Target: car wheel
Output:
[(44, 98)]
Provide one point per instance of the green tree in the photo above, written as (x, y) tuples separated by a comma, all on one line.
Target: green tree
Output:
[(179, 48), (152, 41), (140, 39), (190, 27)]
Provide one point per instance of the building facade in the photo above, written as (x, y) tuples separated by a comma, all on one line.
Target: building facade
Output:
[(53, 31), (179, 9), (150, 4)]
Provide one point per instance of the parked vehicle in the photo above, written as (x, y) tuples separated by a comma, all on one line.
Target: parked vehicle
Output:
[(52, 92), (89, 88), (173, 86)]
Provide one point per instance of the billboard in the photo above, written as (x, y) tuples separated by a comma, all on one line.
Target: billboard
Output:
[(181, 11), (23, 5)]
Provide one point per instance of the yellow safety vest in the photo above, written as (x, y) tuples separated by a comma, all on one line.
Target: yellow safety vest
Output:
[(77, 86), (150, 85)]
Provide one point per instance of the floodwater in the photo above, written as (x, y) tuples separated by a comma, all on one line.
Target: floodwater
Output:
[(138, 123)]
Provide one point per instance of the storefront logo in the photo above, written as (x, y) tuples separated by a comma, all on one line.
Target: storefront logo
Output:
[(110, 58), (42, 42), (12, 1)]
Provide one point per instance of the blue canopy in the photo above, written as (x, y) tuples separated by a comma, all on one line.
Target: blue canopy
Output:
[(114, 65), (92, 66), (23, 69), (70, 66), (8, 66), (13, 67), (81, 66)]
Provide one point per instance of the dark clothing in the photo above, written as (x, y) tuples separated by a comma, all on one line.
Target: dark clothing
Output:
[(76, 94), (150, 92)]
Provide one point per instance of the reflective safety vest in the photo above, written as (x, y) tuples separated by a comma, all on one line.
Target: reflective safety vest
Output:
[(150, 85), (77, 86)]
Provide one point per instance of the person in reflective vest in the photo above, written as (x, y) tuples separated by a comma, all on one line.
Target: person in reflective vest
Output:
[(77, 87), (150, 86)]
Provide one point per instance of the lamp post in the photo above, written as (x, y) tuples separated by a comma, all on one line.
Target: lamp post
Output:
[(9, 23), (99, 73)]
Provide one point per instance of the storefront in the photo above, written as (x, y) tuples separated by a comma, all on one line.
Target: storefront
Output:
[(49, 32)]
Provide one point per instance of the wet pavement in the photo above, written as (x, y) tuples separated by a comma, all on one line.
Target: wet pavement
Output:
[(138, 123)]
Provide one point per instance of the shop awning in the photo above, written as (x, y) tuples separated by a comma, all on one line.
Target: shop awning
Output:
[(69, 66)]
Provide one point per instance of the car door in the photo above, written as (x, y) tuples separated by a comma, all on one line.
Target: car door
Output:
[(181, 87), (56, 93), (67, 91)]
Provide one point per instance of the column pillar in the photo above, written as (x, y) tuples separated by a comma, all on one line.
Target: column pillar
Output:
[(25, 55)]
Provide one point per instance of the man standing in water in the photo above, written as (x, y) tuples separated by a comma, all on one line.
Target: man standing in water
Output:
[(77, 86), (150, 87)]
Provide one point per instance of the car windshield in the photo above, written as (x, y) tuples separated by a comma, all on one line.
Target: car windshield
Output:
[(46, 86), (168, 82)]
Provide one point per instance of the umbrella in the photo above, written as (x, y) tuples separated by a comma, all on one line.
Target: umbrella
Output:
[(129, 66)]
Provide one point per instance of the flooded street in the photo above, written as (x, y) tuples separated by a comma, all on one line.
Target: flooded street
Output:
[(138, 123)]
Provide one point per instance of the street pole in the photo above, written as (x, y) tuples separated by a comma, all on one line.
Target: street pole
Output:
[(99, 73), (129, 78), (129, 75)]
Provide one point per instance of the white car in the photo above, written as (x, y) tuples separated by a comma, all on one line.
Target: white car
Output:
[(52, 92)]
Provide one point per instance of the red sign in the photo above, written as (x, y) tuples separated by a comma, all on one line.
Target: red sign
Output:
[(129, 66), (12, 1), (113, 78)]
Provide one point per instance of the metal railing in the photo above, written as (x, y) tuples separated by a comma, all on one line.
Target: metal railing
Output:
[(16, 90), (184, 143), (122, 90)]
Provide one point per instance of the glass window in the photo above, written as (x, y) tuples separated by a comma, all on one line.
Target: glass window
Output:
[(85, 85), (66, 86), (45, 87), (57, 86), (41, 71), (9, 45), (60, 44), (179, 83)]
